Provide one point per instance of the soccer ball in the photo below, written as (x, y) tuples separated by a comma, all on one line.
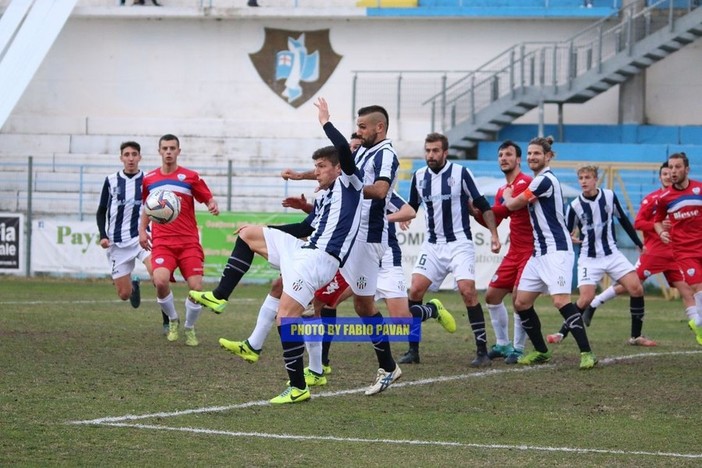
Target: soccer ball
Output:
[(162, 206)]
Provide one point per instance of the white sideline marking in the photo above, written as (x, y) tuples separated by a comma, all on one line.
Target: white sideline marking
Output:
[(118, 421), (298, 437)]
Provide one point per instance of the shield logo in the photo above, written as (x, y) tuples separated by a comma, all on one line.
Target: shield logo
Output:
[(295, 64)]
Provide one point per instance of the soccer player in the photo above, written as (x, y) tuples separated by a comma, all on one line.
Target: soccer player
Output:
[(592, 214), (331, 230), (550, 269), (118, 222), (176, 244), (521, 246), (656, 257), (445, 188), (681, 205)]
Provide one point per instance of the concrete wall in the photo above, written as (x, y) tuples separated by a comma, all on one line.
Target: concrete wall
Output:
[(117, 73)]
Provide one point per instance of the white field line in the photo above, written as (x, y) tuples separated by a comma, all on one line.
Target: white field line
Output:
[(297, 437), (119, 421), (432, 380)]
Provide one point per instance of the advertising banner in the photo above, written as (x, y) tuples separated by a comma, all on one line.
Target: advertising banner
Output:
[(11, 243)]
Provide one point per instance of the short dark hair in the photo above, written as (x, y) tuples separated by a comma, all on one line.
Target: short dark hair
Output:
[(373, 109), (663, 166), (168, 137), (129, 144), (507, 144), (434, 137), (682, 156), (327, 152)]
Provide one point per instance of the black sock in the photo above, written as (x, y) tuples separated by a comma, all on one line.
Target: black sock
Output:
[(165, 318), (417, 310), (293, 351), (328, 315), (636, 307), (564, 327), (381, 344), (238, 264), (477, 323), (574, 321), (532, 326)]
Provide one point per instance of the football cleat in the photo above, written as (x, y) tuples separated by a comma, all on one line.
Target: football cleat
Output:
[(292, 395), (514, 356), (443, 316), (173, 330), (410, 357), (190, 338), (383, 379), (500, 351), (207, 299), (535, 357), (481, 360), (587, 360), (327, 369), (241, 349), (135, 296), (641, 341), (554, 338), (696, 330), (312, 379), (588, 314)]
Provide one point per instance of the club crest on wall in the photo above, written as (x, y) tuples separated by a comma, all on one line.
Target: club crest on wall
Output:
[(295, 64)]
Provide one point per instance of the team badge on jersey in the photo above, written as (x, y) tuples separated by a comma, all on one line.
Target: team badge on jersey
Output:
[(295, 64), (297, 285), (361, 283)]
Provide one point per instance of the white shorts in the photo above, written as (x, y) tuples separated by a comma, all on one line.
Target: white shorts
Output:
[(391, 283), (362, 265), (592, 270), (123, 259), (304, 271), (550, 274), (436, 261)]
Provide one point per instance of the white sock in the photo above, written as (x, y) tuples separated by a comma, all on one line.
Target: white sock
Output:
[(604, 296), (519, 335), (698, 304), (691, 312), (314, 352), (500, 322), (192, 312), (264, 322), (168, 307)]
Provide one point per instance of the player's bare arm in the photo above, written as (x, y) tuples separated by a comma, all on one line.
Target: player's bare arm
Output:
[(377, 191)]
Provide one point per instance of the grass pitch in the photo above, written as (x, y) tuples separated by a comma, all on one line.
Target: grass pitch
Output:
[(87, 380)]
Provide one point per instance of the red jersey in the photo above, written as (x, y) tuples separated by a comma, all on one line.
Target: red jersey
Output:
[(189, 187), (684, 210), (521, 234), (644, 221)]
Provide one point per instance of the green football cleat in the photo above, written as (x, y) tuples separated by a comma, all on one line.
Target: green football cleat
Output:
[(535, 357), (696, 330), (241, 349), (173, 330), (312, 379), (587, 360), (327, 369), (206, 299), (444, 316), (190, 338), (292, 395)]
